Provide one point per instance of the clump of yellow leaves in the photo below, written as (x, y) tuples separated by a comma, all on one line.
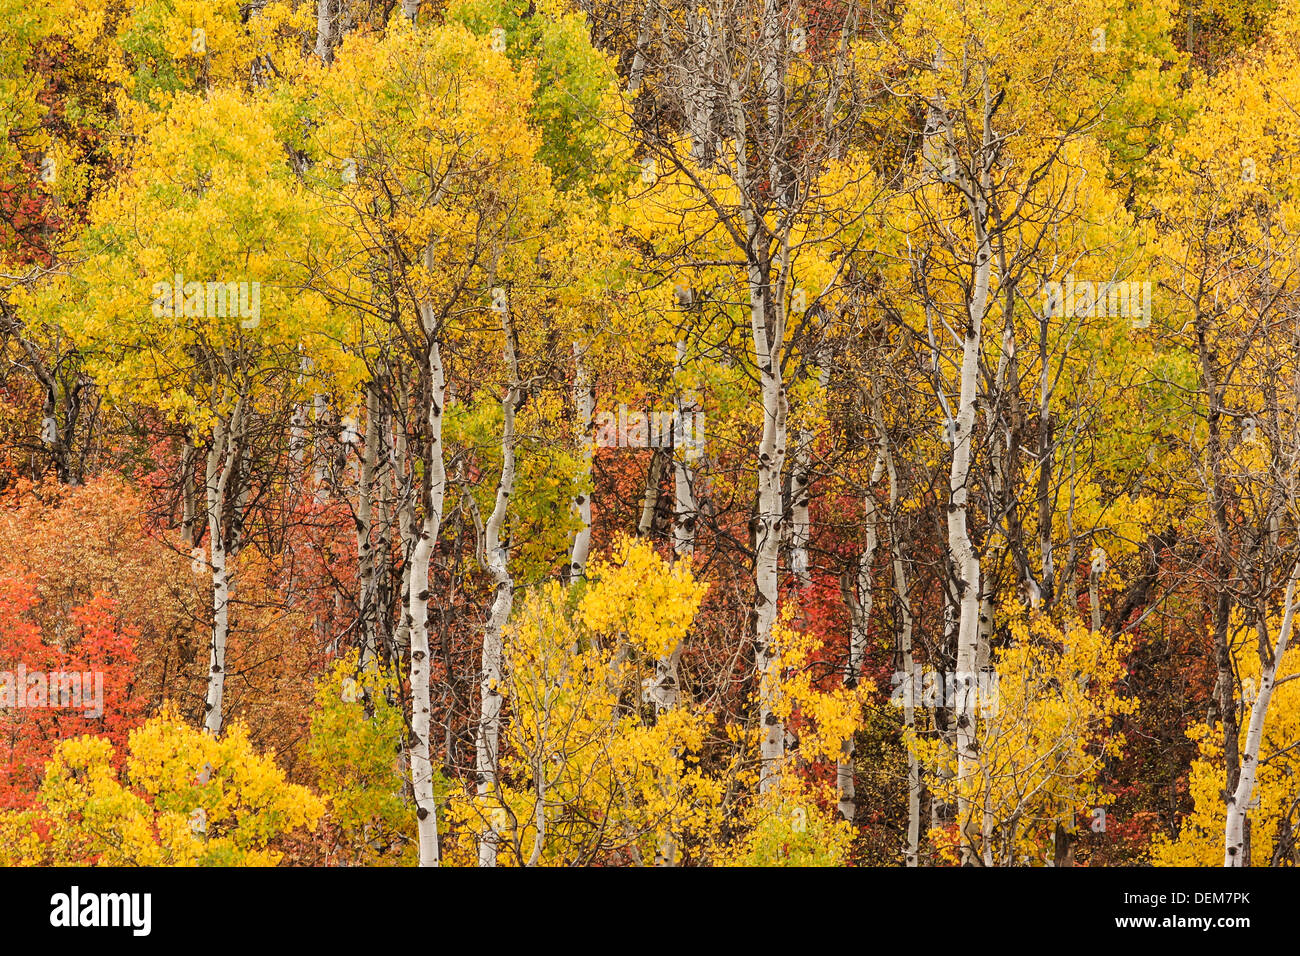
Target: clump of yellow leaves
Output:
[(184, 799), (587, 774), (636, 595), (789, 827), (1042, 736)]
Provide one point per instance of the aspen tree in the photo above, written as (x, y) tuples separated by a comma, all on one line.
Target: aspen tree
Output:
[(436, 210), (757, 200)]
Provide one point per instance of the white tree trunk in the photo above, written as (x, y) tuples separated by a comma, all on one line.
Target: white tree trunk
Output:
[(1234, 831), (637, 71), (298, 439), (962, 553), (768, 522), (222, 460), (767, 328), (382, 555), (913, 848), (911, 680), (418, 753), (650, 499), (860, 600), (498, 560), (405, 493), (685, 510), (584, 407), (325, 16), (664, 690), (367, 604), (800, 530), (800, 527), (298, 431), (1094, 599)]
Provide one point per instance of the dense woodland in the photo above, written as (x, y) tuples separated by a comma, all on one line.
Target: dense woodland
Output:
[(578, 432)]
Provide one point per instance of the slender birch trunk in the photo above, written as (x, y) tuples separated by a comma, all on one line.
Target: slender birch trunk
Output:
[(584, 406), (773, 77), (222, 461), (768, 521), (685, 510), (767, 330), (367, 605), (435, 485), (1094, 598), (383, 551), (298, 429), (965, 560), (912, 852), (189, 520), (1234, 830), (298, 440), (650, 500), (907, 657), (933, 162), (664, 689), (637, 70), (664, 692), (799, 530), (323, 448), (326, 14), (404, 489), (497, 556), (1046, 445), (859, 600), (701, 121)]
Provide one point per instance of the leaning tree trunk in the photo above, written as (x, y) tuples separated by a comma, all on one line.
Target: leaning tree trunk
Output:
[(1234, 830)]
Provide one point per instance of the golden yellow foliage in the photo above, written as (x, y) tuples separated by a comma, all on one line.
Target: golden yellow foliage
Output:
[(182, 799), (1042, 738)]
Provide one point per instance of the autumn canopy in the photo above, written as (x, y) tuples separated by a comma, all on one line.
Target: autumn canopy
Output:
[(565, 432)]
